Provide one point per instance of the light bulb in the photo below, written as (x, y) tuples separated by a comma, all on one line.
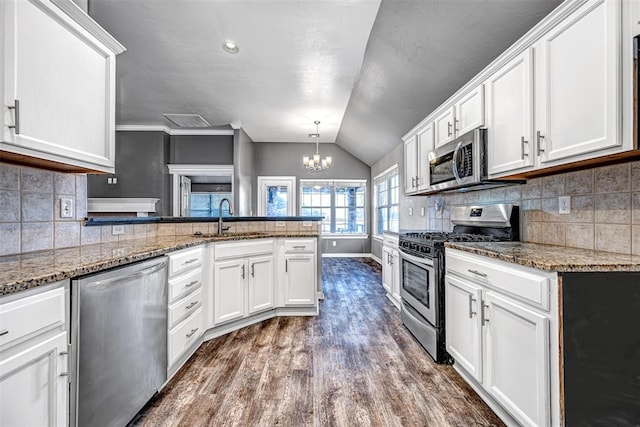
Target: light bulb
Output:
[(305, 160), (311, 163), (328, 160), (316, 158), (324, 163)]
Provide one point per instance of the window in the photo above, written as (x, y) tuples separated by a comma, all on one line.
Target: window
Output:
[(341, 203), (277, 195), (387, 201), (206, 204)]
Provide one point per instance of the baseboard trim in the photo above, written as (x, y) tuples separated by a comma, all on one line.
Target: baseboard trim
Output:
[(376, 259), (347, 255)]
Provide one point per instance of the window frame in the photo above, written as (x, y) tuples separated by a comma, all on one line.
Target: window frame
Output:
[(333, 184), (385, 176)]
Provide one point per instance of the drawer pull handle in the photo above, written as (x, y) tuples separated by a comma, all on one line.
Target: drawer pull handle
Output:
[(191, 305), (253, 270), (477, 273), (192, 260), (16, 125), (5, 332), (195, 282), (299, 247), (63, 353), (64, 374), (242, 274), (193, 331)]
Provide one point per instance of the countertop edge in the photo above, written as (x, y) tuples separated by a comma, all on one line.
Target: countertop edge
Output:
[(97, 221), (559, 267), (35, 281)]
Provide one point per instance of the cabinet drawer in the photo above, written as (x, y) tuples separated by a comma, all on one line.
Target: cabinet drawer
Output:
[(184, 283), (524, 283), (182, 307), (306, 245), (243, 249), (31, 315), (184, 260), (183, 336)]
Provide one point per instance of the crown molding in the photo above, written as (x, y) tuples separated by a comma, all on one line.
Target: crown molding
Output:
[(86, 22), (168, 130)]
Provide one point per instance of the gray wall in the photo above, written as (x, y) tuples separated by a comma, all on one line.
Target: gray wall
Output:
[(243, 171), (285, 159), (140, 164), (202, 149), (415, 221)]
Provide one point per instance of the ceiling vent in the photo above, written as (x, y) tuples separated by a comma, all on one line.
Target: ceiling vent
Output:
[(187, 120)]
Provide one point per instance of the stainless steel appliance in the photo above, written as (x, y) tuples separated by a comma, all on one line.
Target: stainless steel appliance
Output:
[(423, 267), (462, 165), (119, 342)]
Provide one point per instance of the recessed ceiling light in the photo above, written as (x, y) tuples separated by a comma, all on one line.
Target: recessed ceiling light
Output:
[(230, 47)]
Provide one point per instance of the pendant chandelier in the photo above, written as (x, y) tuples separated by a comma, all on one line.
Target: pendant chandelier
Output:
[(315, 163)]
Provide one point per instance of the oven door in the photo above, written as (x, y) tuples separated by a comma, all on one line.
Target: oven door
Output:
[(418, 285)]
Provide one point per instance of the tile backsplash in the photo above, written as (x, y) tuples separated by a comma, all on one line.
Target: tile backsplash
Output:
[(30, 209), (605, 208)]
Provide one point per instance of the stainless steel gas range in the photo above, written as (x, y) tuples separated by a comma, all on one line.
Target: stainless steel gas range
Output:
[(423, 268)]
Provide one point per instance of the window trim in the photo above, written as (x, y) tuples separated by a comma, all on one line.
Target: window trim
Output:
[(384, 175), (332, 183)]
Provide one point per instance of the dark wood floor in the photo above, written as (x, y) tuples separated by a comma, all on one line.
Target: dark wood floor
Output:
[(354, 365)]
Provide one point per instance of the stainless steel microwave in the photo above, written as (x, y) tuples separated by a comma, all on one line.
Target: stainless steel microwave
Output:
[(461, 165)]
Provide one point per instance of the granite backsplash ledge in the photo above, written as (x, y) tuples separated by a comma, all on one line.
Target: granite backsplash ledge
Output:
[(605, 208)]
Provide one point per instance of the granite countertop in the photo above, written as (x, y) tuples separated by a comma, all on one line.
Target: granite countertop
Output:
[(30, 270), (551, 258), (109, 220)]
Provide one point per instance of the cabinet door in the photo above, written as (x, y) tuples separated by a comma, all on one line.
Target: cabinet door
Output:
[(463, 324), (261, 283), (229, 290), (387, 270), (425, 146), (33, 385), (443, 126), (66, 96), (469, 113), (510, 116), (395, 272), (410, 165), (517, 359), (300, 280), (577, 100)]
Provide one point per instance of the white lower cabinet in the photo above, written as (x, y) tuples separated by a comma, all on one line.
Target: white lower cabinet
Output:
[(243, 279), (299, 286), (500, 342), (34, 361), (391, 268)]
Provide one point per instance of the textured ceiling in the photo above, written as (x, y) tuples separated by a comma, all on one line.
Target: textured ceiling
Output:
[(419, 54), (298, 62), (302, 60)]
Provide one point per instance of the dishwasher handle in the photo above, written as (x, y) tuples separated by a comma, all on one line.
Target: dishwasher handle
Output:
[(130, 275)]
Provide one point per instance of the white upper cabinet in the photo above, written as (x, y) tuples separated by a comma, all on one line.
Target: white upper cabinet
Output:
[(578, 84), (469, 111), (410, 165), (444, 127), (510, 116), (58, 88)]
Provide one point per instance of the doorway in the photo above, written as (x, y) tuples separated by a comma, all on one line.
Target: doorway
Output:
[(277, 195)]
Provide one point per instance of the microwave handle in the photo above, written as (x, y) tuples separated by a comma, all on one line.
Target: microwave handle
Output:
[(455, 162)]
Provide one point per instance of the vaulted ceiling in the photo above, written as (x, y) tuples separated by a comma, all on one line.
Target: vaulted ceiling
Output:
[(369, 70)]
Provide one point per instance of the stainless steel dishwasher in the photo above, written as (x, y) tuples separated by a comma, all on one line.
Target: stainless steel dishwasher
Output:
[(118, 342)]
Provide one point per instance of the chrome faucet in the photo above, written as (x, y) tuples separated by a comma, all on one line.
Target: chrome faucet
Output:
[(220, 227)]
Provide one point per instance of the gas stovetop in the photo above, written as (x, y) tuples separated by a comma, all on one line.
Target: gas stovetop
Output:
[(425, 243)]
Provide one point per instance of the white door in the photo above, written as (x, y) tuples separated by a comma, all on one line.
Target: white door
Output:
[(33, 385), (277, 196), (469, 113), (300, 286), (229, 290), (425, 146), (387, 270), (578, 95), (510, 139), (444, 127), (185, 196), (66, 96), (463, 302), (517, 359), (410, 165), (261, 283)]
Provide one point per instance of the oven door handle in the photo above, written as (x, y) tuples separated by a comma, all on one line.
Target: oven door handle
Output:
[(455, 163), (416, 260)]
